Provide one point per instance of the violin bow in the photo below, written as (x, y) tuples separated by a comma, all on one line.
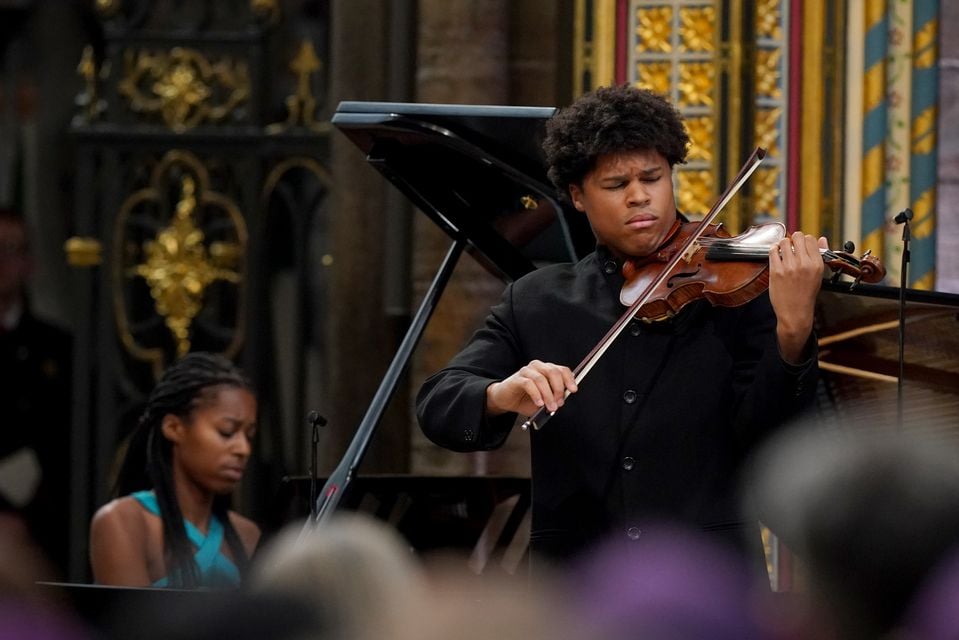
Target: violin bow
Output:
[(538, 419)]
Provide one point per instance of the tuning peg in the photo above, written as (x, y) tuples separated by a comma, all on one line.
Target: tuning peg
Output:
[(835, 277), (849, 246)]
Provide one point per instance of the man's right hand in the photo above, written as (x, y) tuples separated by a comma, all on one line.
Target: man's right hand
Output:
[(536, 385)]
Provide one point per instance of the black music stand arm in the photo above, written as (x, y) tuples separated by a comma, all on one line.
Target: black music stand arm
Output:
[(338, 481), (903, 218)]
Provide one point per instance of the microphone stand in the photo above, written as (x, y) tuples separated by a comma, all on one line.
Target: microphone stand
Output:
[(903, 218), (315, 420)]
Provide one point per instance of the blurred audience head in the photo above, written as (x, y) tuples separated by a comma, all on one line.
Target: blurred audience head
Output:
[(672, 584), (26, 611), (934, 612), (494, 605), (353, 568), (870, 514)]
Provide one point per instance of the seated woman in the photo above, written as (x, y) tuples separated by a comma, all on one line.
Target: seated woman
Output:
[(171, 526)]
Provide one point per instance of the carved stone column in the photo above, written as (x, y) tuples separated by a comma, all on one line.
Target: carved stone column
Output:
[(363, 339), (463, 57)]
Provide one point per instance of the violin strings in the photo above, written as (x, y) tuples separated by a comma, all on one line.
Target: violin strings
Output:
[(723, 248)]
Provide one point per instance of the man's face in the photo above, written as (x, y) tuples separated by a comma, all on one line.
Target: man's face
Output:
[(14, 262), (628, 198)]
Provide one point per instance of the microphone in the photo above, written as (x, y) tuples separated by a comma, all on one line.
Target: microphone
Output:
[(904, 216), (315, 420)]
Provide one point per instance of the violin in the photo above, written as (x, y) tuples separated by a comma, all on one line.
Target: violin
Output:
[(728, 271), (700, 260)]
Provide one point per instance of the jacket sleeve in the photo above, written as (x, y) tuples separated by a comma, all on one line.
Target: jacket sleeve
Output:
[(769, 391), (451, 404)]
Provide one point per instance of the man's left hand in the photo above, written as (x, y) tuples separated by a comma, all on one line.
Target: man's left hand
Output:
[(795, 276)]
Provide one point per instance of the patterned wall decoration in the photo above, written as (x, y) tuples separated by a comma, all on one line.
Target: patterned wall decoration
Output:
[(923, 136), (693, 51), (897, 162), (874, 121), (771, 96), (673, 48), (183, 86), (177, 240)]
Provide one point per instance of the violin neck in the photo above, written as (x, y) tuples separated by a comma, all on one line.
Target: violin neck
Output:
[(747, 252)]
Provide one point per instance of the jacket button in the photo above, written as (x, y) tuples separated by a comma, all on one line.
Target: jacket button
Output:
[(629, 396), (610, 267), (634, 329), (628, 463), (633, 533), (468, 435)]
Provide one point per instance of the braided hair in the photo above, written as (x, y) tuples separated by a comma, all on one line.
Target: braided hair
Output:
[(148, 463)]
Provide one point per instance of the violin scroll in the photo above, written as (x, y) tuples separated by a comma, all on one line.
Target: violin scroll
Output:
[(866, 268)]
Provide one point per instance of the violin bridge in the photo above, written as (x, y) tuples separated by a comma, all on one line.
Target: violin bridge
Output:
[(691, 251)]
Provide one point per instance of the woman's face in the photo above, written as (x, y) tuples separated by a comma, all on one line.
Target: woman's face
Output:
[(211, 448)]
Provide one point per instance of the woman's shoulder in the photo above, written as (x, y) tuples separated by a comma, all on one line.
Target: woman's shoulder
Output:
[(248, 531), (120, 509), (123, 519)]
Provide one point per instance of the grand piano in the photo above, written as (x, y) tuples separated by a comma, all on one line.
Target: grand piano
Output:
[(478, 173)]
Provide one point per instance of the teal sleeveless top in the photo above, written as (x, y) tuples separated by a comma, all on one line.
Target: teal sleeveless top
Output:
[(215, 568)]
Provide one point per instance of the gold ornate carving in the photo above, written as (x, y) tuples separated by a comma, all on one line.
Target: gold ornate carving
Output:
[(656, 76), (203, 242), (529, 202), (301, 106), (107, 8), (767, 73), (769, 20), (654, 26), (178, 269), (765, 191), (696, 191), (767, 130), (702, 138), (83, 252), (697, 82), (697, 28), (183, 86), (89, 100), (268, 10)]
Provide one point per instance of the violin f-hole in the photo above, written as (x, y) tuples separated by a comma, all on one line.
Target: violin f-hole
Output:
[(684, 274)]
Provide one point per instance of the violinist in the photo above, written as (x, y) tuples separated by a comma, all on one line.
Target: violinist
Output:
[(658, 431)]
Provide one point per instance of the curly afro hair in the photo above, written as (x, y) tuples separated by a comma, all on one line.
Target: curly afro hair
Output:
[(611, 120)]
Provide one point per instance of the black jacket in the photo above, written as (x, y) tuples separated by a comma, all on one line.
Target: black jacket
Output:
[(658, 429)]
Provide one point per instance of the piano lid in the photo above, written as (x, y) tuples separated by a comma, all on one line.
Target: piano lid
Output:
[(478, 172)]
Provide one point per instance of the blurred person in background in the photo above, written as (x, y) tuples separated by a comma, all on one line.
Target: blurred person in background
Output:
[(171, 525), (870, 512), (35, 367), (678, 585), (354, 570), (27, 611)]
